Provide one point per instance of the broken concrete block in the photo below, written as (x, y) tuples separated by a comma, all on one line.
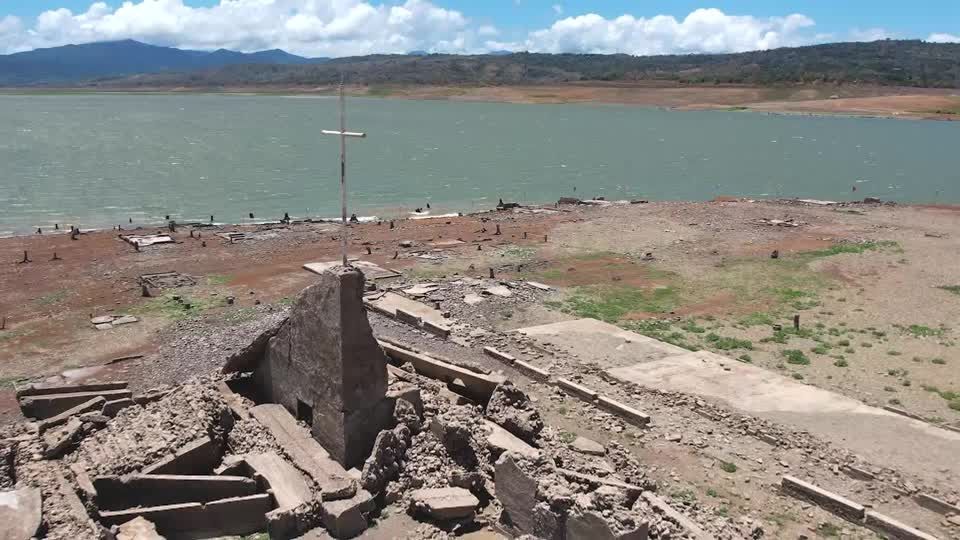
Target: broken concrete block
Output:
[(111, 408), (512, 409), (325, 364), (829, 500), (224, 517), (575, 389), (114, 492), (499, 355), (498, 290), (151, 396), (478, 385), (472, 299), (197, 457), (42, 406), (46, 389), (305, 452), (443, 504), (126, 319), (887, 525), (517, 493), (83, 481), (58, 440), (437, 329), (588, 446), (20, 513), (532, 371), (384, 462), (407, 317), (104, 326), (347, 518), (685, 523), (626, 412), (936, 504), (94, 404), (505, 442), (138, 529), (589, 525), (102, 319)]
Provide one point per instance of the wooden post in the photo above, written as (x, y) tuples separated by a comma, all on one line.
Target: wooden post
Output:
[(796, 322)]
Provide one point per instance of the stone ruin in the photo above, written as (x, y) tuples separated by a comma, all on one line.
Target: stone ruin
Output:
[(317, 424)]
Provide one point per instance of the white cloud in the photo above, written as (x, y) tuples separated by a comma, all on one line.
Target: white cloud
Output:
[(351, 27), (309, 27), (934, 38), (703, 30)]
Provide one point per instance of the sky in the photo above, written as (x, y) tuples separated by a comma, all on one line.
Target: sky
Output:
[(354, 27)]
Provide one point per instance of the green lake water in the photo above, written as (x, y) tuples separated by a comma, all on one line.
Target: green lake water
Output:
[(98, 160)]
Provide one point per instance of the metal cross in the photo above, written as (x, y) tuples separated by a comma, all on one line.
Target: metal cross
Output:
[(343, 134)]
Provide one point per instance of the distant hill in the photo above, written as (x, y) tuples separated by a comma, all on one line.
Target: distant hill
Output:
[(887, 62), (111, 59), (133, 64)]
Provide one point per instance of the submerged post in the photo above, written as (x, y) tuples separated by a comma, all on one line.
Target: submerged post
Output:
[(343, 134)]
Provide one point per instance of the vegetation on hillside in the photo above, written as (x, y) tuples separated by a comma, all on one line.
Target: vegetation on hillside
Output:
[(887, 62)]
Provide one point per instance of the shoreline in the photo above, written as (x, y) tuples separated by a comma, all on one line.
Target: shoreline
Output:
[(852, 101)]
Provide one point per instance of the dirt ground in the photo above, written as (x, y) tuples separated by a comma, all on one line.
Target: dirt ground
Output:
[(880, 101), (877, 289)]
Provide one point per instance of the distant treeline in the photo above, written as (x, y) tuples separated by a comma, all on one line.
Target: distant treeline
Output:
[(888, 62)]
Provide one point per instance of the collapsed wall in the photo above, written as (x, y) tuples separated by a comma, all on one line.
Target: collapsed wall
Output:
[(326, 368)]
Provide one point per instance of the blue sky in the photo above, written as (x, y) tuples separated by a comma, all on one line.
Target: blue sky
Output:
[(342, 27)]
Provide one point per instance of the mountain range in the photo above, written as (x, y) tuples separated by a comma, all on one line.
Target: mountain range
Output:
[(108, 59), (131, 64)]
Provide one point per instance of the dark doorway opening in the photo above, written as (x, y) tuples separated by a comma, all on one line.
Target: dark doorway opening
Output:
[(304, 412)]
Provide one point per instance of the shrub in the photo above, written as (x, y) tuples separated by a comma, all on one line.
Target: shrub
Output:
[(796, 357)]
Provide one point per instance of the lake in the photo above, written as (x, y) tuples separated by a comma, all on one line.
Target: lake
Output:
[(98, 160)]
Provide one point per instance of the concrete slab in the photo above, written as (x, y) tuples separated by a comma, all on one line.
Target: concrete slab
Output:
[(477, 385), (603, 342), (197, 457), (504, 441), (369, 269), (307, 454), (20, 513), (94, 404), (289, 487), (117, 493), (46, 405), (138, 529), (236, 516), (445, 503), (389, 304), (870, 431)]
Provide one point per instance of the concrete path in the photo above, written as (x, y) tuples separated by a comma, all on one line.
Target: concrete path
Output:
[(390, 302), (882, 437)]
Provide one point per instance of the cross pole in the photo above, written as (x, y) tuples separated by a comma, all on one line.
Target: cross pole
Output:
[(343, 134)]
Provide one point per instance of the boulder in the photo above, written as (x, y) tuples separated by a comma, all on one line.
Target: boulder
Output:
[(444, 504), (20, 513)]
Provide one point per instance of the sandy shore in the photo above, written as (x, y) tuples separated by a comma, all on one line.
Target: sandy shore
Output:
[(874, 101)]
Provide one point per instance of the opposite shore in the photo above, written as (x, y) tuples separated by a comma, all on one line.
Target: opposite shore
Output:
[(865, 101)]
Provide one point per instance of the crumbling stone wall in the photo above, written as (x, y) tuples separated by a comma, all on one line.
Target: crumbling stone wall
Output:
[(325, 363)]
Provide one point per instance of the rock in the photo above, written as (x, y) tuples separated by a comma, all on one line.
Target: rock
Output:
[(138, 528), (126, 319), (20, 513), (472, 299), (499, 290), (674, 437), (444, 503), (405, 413), (588, 446), (58, 440), (347, 518), (385, 462), (511, 408), (406, 243), (590, 525), (505, 442), (102, 319)]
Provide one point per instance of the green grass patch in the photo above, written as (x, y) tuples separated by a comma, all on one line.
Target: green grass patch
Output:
[(841, 363), (684, 495), (9, 382), (745, 358), (692, 327), (955, 289), (828, 530), (795, 357), (919, 330), (217, 279), (938, 361), (757, 319), (174, 306), (728, 467), (53, 298), (858, 248), (611, 303), (712, 492), (728, 343), (567, 437), (822, 348)]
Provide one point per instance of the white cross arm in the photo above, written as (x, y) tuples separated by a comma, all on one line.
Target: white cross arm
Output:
[(344, 133)]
